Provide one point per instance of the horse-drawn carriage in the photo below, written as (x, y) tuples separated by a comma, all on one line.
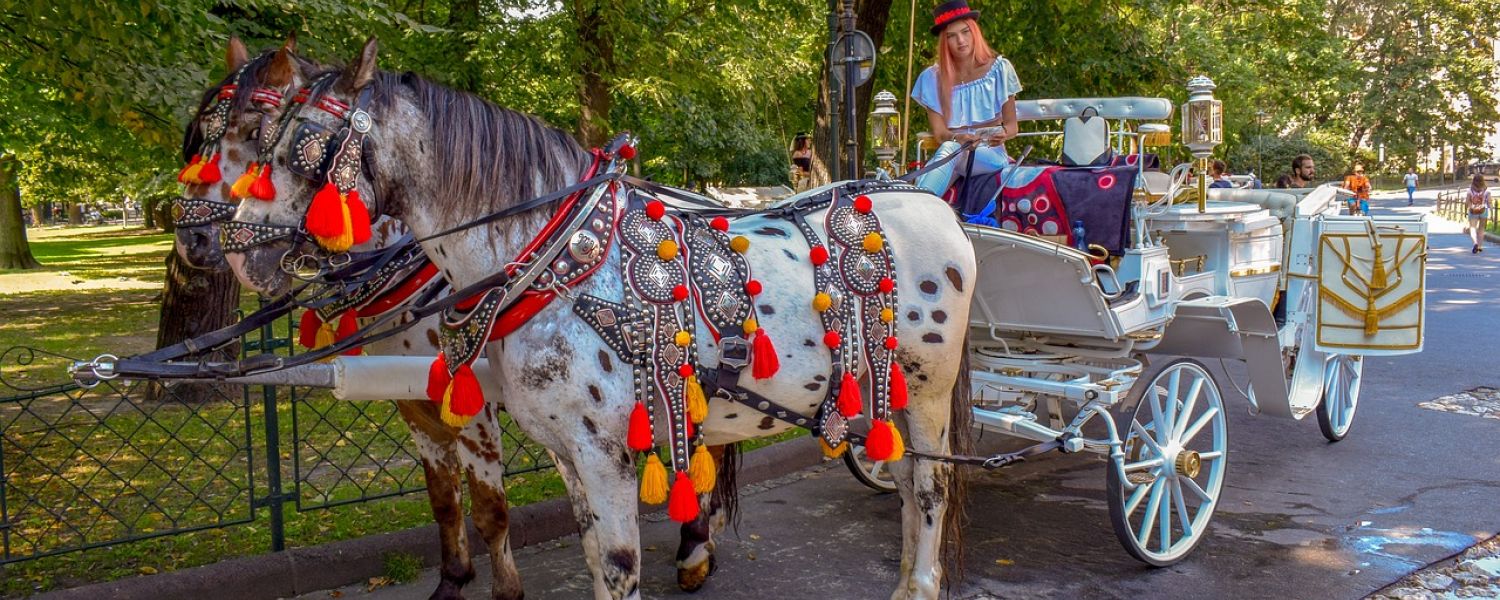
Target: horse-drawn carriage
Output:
[(1275, 279)]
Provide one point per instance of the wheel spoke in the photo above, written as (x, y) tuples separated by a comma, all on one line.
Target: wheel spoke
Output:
[(1135, 498), (1165, 521), (1156, 417), (1146, 437), (1210, 455), (1198, 425), (1182, 510), (1197, 490), (1188, 404), (1144, 535), (1168, 424), (1145, 464)]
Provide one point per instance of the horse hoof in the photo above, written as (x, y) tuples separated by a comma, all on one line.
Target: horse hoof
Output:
[(691, 579)]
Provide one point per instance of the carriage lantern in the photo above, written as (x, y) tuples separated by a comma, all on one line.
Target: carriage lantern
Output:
[(885, 131), (1202, 128)]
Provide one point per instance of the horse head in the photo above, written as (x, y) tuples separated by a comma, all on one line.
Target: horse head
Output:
[(222, 141)]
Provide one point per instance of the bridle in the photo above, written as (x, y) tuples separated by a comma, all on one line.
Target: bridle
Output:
[(196, 212)]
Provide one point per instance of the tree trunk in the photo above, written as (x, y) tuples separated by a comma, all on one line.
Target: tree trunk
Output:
[(38, 216), (15, 253), (75, 214), (595, 69), (148, 211), (870, 16), (195, 302)]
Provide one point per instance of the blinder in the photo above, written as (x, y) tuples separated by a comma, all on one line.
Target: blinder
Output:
[(193, 212)]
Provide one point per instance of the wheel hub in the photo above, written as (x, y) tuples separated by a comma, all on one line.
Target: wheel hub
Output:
[(1188, 463)]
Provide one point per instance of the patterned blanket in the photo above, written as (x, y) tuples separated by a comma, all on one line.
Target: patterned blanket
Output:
[(1047, 200)]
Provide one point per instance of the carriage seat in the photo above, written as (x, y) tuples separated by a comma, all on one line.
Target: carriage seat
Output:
[(1281, 205), (1134, 108)]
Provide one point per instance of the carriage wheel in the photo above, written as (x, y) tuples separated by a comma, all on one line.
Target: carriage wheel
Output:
[(1340, 395), (1174, 446), (872, 473)]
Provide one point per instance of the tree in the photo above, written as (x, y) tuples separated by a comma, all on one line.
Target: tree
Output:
[(15, 253)]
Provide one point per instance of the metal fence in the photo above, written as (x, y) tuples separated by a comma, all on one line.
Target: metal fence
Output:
[(125, 461), (1454, 206)]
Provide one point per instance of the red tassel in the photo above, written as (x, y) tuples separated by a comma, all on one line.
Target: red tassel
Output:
[(359, 217), (438, 378), (263, 189), (683, 504), (182, 174), (879, 445), (307, 329), (325, 216), (850, 402), (210, 172), (898, 387), (688, 427), (467, 398), (639, 436), (763, 360), (348, 326)]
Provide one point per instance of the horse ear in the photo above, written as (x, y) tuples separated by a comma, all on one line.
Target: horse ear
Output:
[(362, 71), (236, 56), (283, 68)]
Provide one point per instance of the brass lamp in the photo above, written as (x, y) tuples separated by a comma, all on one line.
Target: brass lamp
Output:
[(885, 131), (1202, 129)]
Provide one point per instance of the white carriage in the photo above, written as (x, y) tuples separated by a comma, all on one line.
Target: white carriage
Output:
[(1276, 279)]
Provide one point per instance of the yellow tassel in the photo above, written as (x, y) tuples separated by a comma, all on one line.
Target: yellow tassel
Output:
[(830, 451), (702, 471), (328, 333), (682, 338), (241, 187), (873, 243), (447, 414), (654, 481), (887, 315), (191, 174), (666, 250), (821, 301), (739, 244), (898, 446), (1378, 279), (750, 326), (344, 240), (697, 405)]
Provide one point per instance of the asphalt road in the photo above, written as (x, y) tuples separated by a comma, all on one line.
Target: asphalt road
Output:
[(1299, 517)]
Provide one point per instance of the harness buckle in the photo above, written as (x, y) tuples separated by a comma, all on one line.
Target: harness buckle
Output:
[(734, 351)]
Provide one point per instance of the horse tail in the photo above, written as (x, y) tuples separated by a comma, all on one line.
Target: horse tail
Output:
[(726, 494), (960, 442)]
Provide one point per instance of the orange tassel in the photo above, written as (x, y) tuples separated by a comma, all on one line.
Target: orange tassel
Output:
[(348, 326), (850, 402), (263, 189), (241, 187), (307, 329), (325, 216), (879, 445), (182, 175), (763, 361), (898, 387), (210, 172), (467, 397), (438, 378), (359, 217), (639, 435), (683, 505)]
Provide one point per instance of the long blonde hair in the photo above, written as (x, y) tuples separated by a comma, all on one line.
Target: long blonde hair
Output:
[(948, 69)]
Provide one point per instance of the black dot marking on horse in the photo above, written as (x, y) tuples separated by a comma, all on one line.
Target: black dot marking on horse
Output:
[(813, 387), (808, 343), (406, 344), (605, 363), (442, 251), (932, 338), (594, 393), (432, 338), (928, 287), (914, 316), (939, 316), (766, 423), (789, 254), (732, 416), (773, 231), (955, 278), (767, 309), (921, 377), (589, 425), (819, 378), (622, 559)]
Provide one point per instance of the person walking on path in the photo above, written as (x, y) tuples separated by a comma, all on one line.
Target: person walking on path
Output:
[(1356, 182), (1411, 185), (1479, 212)]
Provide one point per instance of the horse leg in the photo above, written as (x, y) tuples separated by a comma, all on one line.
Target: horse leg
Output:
[(924, 499), (485, 467), (440, 463), (695, 555), (604, 503)]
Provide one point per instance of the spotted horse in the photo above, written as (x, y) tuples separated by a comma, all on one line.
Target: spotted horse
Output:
[(596, 386), (234, 118)]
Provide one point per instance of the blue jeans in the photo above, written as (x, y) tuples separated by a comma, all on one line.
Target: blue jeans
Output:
[(1410, 189), (987, 159)]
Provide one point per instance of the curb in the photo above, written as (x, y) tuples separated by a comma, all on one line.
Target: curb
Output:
[(301, 570)]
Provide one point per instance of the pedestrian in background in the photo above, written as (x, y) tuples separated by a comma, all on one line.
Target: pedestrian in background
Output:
[(1479, 211), (1219, 175), (1411, 185), (1356, 182)]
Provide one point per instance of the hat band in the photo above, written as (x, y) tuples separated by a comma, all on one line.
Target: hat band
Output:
[(950, 15)]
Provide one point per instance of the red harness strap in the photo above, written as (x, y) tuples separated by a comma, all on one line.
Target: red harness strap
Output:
[(401, 293)]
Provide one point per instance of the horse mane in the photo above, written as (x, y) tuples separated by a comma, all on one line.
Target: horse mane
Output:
[(489, 157), (254, 73)]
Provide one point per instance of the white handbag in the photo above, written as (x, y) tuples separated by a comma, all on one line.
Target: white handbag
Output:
[(1086, 140)]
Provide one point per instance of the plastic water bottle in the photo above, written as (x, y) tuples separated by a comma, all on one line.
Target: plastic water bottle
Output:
[(1080, 240)]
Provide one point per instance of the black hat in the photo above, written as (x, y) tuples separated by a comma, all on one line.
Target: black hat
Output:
[(949, 12)]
